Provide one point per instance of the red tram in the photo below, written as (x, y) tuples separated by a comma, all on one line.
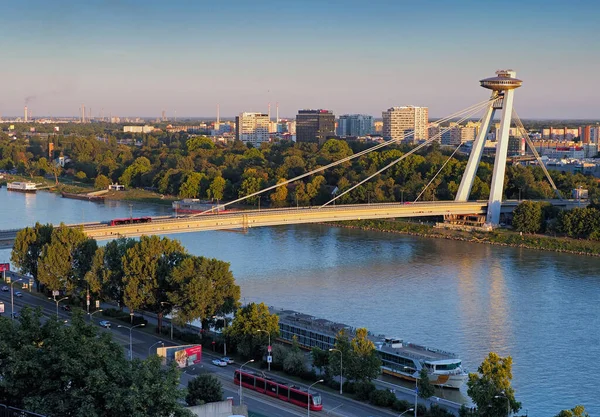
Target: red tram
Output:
[(281, 390), (130, 220)]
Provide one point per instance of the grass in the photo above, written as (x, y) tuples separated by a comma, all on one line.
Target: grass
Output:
[(142, 196)]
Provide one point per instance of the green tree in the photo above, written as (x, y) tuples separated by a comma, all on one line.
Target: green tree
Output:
[(365, 364), (426, 388), (101, 182), (28, 247), (528, 217), (490, 388), (320, 358), (199, 142), (243, 332), (190, 188), (577, 411), (204, 389), (293, 363), (217, 188), (344, 348), (279, 196)]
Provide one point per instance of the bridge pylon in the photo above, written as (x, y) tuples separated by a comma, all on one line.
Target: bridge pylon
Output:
[(503, 89)]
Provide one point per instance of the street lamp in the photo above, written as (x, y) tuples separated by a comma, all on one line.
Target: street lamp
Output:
[(92, 314), (57, 302), (341, 378), (12, 299), (507, 402), (268, 348), (410, 409), (241, 398), (224, 327), (130, 341), (157, 343), (416, 390), (308, 396), (173, 309)]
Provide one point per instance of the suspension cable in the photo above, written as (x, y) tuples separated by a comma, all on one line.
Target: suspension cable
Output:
[(413, 150), (525, 135), (346, 159)]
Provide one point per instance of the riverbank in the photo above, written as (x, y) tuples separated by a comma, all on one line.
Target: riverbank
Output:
[(496, 237)]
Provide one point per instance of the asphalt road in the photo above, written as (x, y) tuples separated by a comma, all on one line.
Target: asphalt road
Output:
[(144, 343)]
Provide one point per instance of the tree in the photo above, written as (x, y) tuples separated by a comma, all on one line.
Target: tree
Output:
[(190, 188), (101, 182), (342, 347), (243, 329), (204, 388), (217, 188), (320, 358), (58, 370), (528, 218), (28, 248), (293, 363), (109, 270), (424, 385), (365, 364), (279, 196), (577, 411), (490, 388)]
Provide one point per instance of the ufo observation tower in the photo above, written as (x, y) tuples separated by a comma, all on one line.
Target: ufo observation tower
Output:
[(503, 87)]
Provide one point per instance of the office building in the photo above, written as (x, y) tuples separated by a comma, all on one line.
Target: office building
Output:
[(314, 125), (252, 128), (408, 124), (589, 134), (356, 125)]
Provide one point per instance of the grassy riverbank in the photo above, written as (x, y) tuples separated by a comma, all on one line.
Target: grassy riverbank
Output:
[(497, 237)]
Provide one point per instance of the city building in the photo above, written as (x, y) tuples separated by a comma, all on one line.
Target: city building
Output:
[(378, 126), (408, 124), (451, 134), (356, 125), (314, 125), (252, 128), (138, 129), (589, 134)]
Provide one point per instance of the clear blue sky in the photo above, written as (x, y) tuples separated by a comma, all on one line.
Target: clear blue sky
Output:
[(140, 57)]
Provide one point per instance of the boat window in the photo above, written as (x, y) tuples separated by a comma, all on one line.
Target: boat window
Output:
[(447, 367)]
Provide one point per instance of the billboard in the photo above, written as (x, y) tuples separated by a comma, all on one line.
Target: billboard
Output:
[(184, 355), (1, 307), (4, 267)]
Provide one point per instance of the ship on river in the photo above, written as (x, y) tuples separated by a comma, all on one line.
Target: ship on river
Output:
[(23, 187), (400, 359)]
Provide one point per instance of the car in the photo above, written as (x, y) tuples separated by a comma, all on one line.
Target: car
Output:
[(219, 362), (5, 288), (105, 324), (15, 315), (228, 360), (66, 307), (18, 294)]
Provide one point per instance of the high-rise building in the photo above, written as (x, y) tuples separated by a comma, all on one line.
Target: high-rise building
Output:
[(408, 124), (451, 135), (252, 128), (355, 125), (314, 125), (589, 134)]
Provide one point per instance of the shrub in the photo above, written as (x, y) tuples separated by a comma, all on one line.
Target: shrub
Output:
[(293, 363), (363, 390), (349, 387), (401, 405), (382, 398), (437, 411), (421, 410), (204, 388)]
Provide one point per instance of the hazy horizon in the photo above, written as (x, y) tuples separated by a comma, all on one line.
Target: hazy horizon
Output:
[(131, 59)]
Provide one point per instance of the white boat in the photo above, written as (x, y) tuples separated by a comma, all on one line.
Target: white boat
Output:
[(23, 187)]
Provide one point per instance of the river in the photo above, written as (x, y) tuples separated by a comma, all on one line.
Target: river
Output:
[(539, 307)]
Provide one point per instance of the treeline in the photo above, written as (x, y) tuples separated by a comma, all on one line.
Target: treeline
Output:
[(152, 274), (538, 217), (184, 166)]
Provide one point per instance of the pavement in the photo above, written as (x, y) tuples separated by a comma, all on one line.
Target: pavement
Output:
[(143, 344)]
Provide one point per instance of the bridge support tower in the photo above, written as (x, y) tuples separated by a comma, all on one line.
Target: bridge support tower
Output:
[(503, 88)]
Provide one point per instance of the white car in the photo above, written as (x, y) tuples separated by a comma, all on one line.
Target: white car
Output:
[(219, 362), (18, 294), (5, 288), (228, 360), (105, 324)]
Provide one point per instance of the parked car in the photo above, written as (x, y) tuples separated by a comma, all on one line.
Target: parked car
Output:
[(15, 315), (18, 294), (105, 324), (66, 307), (228, 360), (5, 288), (219, 362)]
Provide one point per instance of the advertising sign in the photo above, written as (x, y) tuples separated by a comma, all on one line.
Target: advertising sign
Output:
[(185, 355), (4, 267), (1, 308)]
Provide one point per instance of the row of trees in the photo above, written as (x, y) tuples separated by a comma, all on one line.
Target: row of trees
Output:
[(184, 166), (152, 274), (55, 369)]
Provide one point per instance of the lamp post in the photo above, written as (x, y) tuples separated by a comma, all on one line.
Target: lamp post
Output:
[(416, 390), (268, 348), (157, 343), (507, 402), (92, 314), (341, 377), (241, 398), (173, 309), (130, 340), (12, 299), (224, 327), (410, 409), (308, 397), (57, 302)]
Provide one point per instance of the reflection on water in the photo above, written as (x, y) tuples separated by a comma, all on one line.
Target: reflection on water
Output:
[(539, 307)]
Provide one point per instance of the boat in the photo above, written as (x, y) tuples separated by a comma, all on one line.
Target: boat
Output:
[(399, 359), (85, 197), (23, 187)]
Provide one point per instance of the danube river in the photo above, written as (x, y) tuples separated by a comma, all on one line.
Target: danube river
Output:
[(539, 307)]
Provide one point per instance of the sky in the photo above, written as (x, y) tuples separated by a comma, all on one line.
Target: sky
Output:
[(138, 58)]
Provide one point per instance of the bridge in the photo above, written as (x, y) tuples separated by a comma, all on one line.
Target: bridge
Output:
[(246, 219)]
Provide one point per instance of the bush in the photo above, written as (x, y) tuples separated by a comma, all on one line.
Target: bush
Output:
[(293, 363), (363, 390), (349, 387), (437, 411), (382, 398), (421, 410), (401, 405), (124, 317), (204, 388)]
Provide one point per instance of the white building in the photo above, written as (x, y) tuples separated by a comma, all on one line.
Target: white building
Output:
[(252, 128), (138, 129), (399, 123)]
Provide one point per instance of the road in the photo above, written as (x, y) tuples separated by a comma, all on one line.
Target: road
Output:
[(334, 404)]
